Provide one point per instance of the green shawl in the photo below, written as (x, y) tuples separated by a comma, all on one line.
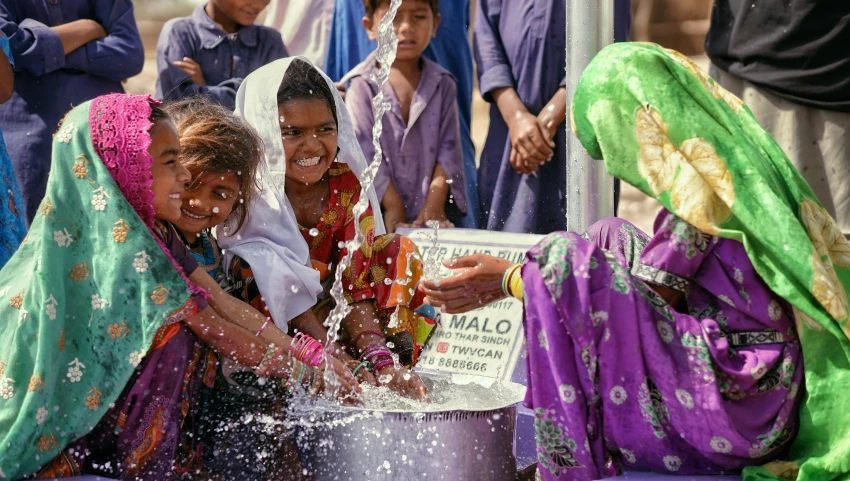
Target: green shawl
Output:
[(663, 126), (83, 297)]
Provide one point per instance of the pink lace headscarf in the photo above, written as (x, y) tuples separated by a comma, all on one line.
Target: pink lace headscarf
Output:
[(120, 132)]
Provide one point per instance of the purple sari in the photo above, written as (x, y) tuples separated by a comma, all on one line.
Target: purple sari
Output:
[(617, 377)]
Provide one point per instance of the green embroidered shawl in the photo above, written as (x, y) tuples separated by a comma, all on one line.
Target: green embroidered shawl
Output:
[(82, 299), (663, 126)]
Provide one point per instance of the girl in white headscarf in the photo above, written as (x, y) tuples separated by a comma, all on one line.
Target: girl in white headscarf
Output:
[(285, 255)]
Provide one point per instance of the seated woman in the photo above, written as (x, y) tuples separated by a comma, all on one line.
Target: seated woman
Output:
[(308, 213), (681, 352), (106, 346)]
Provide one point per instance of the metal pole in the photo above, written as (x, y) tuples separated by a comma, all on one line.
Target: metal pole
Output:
[(590, 193)]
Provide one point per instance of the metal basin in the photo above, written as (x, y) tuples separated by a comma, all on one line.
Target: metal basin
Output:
[(456, 443)]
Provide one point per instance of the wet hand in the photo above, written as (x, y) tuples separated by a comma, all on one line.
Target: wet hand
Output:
[(530, 138), (399, 380), (193, 70), (349, 388), (477, 282), (363, 375)]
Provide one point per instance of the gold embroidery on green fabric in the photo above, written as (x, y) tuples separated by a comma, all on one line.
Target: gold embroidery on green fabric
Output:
[(119, 232), (36, 383), (17, 300), (80, 272), (118, 330), (93, 399), (160, 295)]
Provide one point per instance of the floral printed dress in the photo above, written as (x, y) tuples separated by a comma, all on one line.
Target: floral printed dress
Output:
[(386, 268), (618, 377)]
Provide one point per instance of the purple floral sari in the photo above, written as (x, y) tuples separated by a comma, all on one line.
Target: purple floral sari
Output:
[(617, 377)]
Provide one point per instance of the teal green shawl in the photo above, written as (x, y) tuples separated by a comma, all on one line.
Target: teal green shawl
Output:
[(81, 300), (663, 126)]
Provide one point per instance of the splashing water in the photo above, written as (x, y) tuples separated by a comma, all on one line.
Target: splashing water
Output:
[(385, 56), (431, 261)]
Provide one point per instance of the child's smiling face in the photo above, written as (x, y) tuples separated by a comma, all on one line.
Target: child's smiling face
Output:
[(208, 204), (308, 132), (169, 175), (243, 12)]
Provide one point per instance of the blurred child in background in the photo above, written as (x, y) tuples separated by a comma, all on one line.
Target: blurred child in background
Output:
[(211, 51), (422, 176), (65, 53)]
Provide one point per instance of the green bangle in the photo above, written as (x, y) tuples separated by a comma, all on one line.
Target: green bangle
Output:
[(301, 373), (364, 363)]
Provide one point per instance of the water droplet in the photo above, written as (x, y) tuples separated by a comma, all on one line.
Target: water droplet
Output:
[(314, 232), (294, 288), (238, 172), (215, 210), (449, 181), (241, 201)]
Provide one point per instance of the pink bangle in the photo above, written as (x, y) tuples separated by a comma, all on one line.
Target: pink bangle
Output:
[(382, 363), (264, 326)]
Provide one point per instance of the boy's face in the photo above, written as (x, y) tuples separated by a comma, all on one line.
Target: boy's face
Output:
[(243, 12), (415, 25)]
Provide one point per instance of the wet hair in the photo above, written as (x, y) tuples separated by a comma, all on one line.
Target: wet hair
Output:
[(303, 81), (214, 140), (372, 5), (157, 114)]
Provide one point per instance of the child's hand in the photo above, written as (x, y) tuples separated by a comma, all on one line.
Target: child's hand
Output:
[(349, 387), (428, 214), (530, 138), (522, 166), (393, 219), (193, 70), (399, 380)]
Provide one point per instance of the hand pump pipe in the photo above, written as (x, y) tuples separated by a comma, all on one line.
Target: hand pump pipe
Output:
[(590, 193)]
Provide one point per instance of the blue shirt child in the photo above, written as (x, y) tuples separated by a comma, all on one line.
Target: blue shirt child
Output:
[(225, 59)]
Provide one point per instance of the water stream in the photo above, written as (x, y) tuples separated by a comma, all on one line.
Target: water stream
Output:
[(385, 55)]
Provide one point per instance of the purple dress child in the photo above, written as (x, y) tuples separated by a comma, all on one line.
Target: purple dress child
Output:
[(49, 83), (412, 149), (225, 59), (618, 377), (520, 44)]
